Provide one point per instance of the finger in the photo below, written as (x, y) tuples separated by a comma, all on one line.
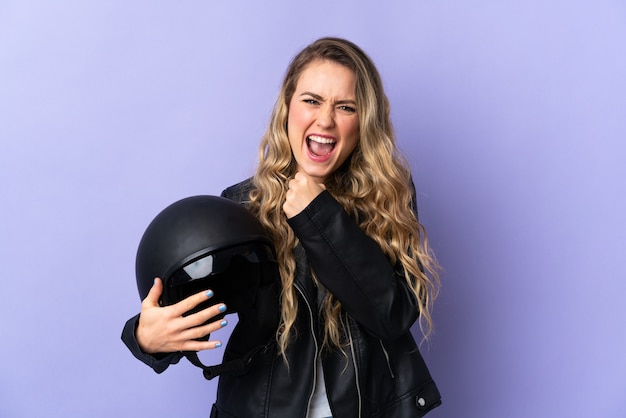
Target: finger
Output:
[(152, 299), (301, 176), (203, 316), (191, 302), (193, 345), (304, 178), (292, 184), (202, 331)]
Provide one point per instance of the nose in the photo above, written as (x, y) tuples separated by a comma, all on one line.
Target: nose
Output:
[(326, 117)]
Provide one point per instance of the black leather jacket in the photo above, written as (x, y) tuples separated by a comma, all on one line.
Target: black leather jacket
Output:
[(380, 372)]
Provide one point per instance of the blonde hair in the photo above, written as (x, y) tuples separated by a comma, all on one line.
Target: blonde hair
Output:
[(374, 186)]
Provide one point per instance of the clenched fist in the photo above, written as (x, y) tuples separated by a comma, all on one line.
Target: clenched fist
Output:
[(302, 190)]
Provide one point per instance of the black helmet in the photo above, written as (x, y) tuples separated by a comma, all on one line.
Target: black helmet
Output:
[(205, 242), (209, 242)]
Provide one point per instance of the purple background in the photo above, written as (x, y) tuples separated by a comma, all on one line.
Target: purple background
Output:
[(513, 116)]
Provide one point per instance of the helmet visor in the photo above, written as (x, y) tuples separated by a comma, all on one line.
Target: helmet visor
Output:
[(233, 274)]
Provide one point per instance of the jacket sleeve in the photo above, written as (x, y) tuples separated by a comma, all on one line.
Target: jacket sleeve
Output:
[(354, 269), (158, 362)]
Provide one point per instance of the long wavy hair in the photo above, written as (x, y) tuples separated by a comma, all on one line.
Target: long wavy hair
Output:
[(374, 186)]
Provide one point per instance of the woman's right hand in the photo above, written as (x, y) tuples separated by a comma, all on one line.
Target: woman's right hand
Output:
[(164, 329)]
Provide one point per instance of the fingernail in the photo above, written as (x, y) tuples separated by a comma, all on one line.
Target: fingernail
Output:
[(209, 293), (218, 344), (224, 323), (222, 308)]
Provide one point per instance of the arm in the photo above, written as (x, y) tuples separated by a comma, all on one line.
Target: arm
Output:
[(354, 269)]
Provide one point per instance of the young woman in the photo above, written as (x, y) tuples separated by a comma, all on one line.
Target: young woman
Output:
[(355, 268)]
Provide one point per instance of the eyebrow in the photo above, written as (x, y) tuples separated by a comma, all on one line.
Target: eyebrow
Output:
[(320, 98)]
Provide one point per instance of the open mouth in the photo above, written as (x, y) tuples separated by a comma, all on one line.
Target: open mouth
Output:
[(320, 146)]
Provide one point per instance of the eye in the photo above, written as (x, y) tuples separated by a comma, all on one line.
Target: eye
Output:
[(311, 101), (348, 109)]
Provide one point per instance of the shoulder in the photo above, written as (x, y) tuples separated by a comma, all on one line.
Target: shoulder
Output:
[(239, 192)]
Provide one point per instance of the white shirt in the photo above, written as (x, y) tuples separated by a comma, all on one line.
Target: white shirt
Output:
[(320, 408)]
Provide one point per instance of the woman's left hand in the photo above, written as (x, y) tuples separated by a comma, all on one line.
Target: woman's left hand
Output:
[(302, 190)]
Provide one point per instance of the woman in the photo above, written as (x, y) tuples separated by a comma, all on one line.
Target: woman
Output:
[(356, 271)]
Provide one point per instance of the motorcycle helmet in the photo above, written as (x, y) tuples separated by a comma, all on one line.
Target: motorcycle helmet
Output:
[(205, 242)]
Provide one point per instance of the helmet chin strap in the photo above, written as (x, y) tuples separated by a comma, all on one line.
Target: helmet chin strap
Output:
[(233, 367)]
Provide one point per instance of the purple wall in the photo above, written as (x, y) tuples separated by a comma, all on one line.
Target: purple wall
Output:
[(513, 117)]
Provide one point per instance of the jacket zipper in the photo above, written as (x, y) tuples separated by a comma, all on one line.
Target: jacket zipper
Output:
[(356, 369), (308, 305), (387, 358)]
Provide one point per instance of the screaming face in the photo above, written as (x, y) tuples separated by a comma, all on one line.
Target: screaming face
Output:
[(323, 123)]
